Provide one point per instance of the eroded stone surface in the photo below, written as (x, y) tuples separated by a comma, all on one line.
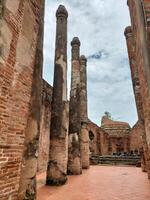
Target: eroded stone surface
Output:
[(58, 154), (44, 142), (15, 94), (138, 38), (12, 5), (84, 145), (32, 131), (74, 157)]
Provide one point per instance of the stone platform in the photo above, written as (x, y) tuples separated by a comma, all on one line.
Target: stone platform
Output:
[(115, 160)]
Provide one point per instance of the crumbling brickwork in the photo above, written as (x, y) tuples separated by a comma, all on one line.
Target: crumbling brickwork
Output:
[(104, 142), (34, 132), (118, 135), (136, 88), (44, 141), (136, 137), (84, 144), (94, 138), (58, 154), (139, 12), (18, 42), (74, 156), (114, 137)]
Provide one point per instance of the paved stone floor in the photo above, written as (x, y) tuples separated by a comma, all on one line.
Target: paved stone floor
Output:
[(100, 183)]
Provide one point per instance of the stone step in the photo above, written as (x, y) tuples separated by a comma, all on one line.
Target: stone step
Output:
[(115, 160)]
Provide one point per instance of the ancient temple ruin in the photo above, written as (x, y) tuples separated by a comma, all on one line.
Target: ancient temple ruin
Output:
[(41, 130), (58, 152)]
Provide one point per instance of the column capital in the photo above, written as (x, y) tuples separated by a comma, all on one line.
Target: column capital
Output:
[(62, 12), (128, 32), (83, 59), (75, 41)]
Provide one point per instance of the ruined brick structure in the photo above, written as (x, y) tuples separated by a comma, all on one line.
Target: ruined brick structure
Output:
[(94, 138), (20, 42), (98, 139), (78, 157), (84, 144), (74, 155), (114, 137), (118, 135), (83, 88), (58, 153), (34, 116), (136, 88), (44, 142), (138, 42), (136, 137)]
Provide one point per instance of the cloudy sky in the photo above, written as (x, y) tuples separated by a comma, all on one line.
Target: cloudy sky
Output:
[(100, 26)]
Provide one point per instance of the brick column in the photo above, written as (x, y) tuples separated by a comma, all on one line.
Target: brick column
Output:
[(74, 158), (27, 185), (134, 71), (138, 98), (84, 144), (83, 88), (57, 166)]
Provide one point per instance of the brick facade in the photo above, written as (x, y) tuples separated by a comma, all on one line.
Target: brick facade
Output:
[(114, 137), (118, 135), (136, 137), (98, 139), (18, 40), (94, 138)]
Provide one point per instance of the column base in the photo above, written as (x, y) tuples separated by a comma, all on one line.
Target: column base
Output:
[(74, 158), (70, 172), (85, 167), (55, 182), (55, 175)]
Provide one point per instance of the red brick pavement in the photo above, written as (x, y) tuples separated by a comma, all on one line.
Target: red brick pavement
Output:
[(100, 183)]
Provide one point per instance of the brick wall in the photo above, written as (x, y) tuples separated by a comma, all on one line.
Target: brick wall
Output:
[(44, 139), (118, 135), (104, 142), (139, 11), (18, 39), (99, 142), (94, 138), (136, 137)]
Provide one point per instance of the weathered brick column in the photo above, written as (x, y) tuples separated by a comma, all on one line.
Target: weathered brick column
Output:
[(139, 13), (27, 186), (58, 158), (74, 156), (134, 70), (84, 144), (136, 88), (83, 88)]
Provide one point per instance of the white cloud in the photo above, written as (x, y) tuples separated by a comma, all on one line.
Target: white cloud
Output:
[(100, 26)]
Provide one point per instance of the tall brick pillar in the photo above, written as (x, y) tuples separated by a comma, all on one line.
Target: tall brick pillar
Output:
[(136, 88), (84, 144), (139, 13), (58, 158), (83, 88), (134, 70), (74, 157), (27, 185)]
